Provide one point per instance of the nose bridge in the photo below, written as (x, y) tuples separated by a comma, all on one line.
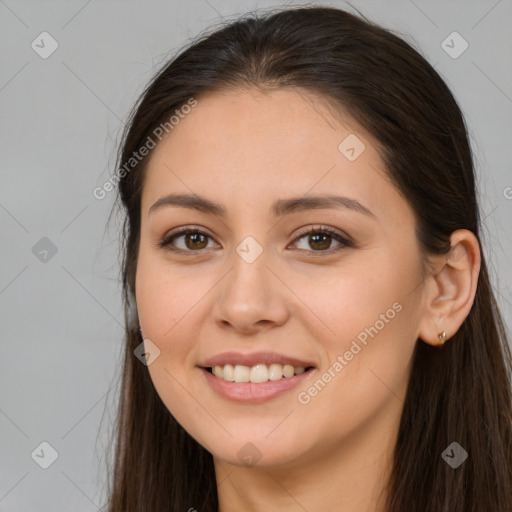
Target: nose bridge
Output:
[(248, 279), (249, 295), (249, 250)]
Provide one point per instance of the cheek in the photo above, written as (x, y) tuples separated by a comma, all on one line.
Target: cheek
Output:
[(169, 303), (165, 304), (368, 312), (361, 300), (361, 380), (375, 318), (165, 296)]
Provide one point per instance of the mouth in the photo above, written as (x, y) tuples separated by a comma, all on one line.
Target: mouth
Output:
[(258, 373), (254, 378)]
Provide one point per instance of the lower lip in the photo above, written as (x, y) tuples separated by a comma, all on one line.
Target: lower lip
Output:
[(248, 392)]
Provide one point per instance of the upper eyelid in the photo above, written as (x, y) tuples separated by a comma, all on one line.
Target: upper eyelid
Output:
[(320, 227)]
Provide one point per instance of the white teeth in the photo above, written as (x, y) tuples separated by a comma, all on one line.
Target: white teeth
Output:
[(257, 373), (242, 373), (275, 371), (229, 373), (288, 370)]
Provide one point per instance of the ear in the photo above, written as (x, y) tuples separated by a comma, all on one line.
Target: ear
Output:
[(450, 289)]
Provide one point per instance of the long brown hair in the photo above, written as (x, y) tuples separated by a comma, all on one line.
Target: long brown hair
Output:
[(461, 392)]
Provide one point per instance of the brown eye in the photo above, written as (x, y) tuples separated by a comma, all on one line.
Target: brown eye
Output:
[(320, 240), (193, 241)]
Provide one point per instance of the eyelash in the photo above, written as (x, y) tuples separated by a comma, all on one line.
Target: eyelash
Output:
[(322, 230)]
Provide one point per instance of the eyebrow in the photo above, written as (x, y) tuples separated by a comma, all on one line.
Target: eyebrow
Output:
[(279, 208)]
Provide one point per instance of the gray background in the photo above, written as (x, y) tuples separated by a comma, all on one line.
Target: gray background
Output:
[(61, 315)]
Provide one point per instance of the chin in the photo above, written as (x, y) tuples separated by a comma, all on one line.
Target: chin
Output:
[(254, 451)]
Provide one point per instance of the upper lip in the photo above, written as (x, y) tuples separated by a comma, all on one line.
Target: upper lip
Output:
[(253, 359)]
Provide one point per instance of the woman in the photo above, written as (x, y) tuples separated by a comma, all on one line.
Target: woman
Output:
[(309, 319)]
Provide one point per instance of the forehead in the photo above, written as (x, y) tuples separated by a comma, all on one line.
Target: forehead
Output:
[(247, 145), (288, 118)]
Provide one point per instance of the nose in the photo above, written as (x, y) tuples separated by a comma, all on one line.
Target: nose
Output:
[(250, 298)]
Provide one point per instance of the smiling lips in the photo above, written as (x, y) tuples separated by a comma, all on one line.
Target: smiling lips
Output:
[(254, 378)]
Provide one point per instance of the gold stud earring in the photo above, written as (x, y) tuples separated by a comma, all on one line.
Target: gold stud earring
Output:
[(442, 336)]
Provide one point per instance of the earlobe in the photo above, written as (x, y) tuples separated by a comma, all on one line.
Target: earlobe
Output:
[(450, 290)]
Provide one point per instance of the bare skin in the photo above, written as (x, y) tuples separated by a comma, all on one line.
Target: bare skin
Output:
[(308, 298)]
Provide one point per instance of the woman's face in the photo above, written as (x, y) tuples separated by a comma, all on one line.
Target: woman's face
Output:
[(256, 295)]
